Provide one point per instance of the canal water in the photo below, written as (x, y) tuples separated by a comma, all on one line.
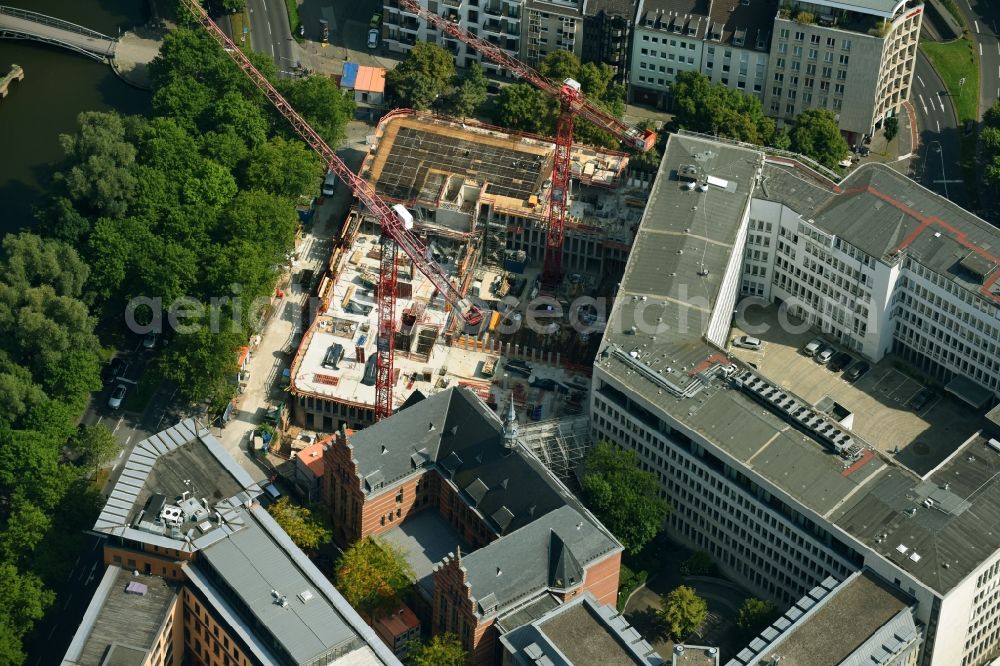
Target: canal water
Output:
[(58, 84)]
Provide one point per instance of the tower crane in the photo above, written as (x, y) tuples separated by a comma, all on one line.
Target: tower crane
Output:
[(572, 102), (395, 223)]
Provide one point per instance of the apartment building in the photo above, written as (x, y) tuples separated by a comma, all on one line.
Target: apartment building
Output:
[(497, 21), (607, 34), (857, 62), (493, 537), (781, 493), (199, 573), (728, 42)]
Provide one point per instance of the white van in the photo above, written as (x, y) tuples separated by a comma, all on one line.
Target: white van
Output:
[(329, 184)]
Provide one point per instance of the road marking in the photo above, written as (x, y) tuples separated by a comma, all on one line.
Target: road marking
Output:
[(922, 103), (976, 23), (118, 425), (68, 599), (269, 28), (998, 47), (948, 180), (91, 574), (272, 50), (99, 419), (114, 467), (941, 102), (53, 630), (922, 81), (127, 441), (980, 48), (938, 125)]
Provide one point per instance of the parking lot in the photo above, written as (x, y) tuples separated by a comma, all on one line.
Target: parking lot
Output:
[(878, 399)]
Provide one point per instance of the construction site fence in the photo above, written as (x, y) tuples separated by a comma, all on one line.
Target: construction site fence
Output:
[(521, 352)]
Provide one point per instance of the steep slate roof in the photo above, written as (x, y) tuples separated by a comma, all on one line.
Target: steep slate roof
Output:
[(551, 552), (459, 436)]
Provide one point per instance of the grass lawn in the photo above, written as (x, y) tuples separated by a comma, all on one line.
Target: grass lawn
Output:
[(293, 18), (954, 61), (241, 26)]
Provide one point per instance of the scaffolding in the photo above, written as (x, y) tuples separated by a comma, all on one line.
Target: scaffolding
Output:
[(560, 444)]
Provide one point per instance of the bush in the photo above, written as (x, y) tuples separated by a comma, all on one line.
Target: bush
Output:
[(807, 18), (628, 582)]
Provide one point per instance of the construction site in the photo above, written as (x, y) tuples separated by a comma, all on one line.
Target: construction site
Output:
[(480, 198)]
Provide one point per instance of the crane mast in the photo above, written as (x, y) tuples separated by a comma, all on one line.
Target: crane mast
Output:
[(395, 223), (572, 103)]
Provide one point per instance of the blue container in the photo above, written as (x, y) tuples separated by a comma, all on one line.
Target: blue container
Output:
[(512, 266)]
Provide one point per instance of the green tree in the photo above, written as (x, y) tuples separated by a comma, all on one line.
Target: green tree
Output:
[(470, 95), (702, 106), (308, 532), (683, 611), (283, 167), (100, 159), (817, 135), (319, 100), (754, 615), (203, 363), (23, 600), (523, 107), (96, 446), (623, 496), (890, 127), (423, 76), (441, 650), (372, 574), (699, 564)]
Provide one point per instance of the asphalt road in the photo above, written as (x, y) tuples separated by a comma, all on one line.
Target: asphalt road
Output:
[(983, 18), (937, 165), (53, 635), (270, 34)]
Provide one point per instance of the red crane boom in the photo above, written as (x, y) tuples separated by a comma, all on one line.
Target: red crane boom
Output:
[(395, 223), (572, 102)]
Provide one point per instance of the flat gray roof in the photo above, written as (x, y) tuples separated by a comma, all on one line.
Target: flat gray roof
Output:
[(678, 373), (121, 624), (891, 217), (581, 633), (256, 567), (843, 621)]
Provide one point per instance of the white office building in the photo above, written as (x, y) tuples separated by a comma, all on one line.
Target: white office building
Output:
[(778, 491)]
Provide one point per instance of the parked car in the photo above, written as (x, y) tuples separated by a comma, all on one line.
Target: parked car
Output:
[(814, 346), (376, 21), (748, 342), (117, 397), (920, 400), (824, 355), (115, 369), (373, 35), (329, 184), (149, 342), (855, 372), (839, 361)]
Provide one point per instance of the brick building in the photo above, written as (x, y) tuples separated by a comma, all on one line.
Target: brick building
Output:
[(199, 573), (492, 532)]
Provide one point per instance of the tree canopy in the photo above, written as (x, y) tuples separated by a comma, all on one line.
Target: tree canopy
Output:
[(754, 615), (817, 135), (683, 611), (470, 94), (622, 495), (441, 650), (308, 532), (425, 75), (701, 106), (372, 574), (989, 142), (523, 107)]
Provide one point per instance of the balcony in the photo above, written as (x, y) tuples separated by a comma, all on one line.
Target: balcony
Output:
[(452, 3), (492, 27), (492, 11)]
